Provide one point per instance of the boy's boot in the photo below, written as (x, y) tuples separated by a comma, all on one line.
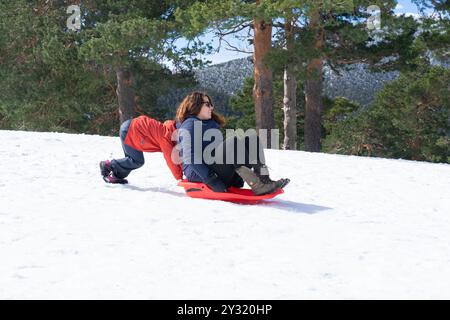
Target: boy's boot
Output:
[(105, 168), (111, 178), (108, 175)]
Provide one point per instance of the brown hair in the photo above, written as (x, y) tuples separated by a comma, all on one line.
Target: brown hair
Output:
[(192, 104)]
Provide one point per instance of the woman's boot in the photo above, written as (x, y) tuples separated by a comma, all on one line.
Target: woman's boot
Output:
[(263, 173), (252, 179)]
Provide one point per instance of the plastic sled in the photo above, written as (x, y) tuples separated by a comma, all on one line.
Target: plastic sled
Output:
[(201, 190)]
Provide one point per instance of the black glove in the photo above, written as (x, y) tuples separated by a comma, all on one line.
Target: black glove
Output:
[(237, 181), (215, 183)]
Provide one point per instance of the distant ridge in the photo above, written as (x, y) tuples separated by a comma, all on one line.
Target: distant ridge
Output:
[(356, 82)]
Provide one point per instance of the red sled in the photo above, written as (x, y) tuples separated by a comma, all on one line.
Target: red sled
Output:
[(202, 191)]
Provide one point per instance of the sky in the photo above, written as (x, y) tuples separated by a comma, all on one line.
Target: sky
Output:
[(224, 54)]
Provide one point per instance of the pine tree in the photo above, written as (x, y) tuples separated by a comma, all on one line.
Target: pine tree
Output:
[(53, 78), (409, 120), (314, 33), (120, 33), (227, 17), (290, 89), (44, 85)]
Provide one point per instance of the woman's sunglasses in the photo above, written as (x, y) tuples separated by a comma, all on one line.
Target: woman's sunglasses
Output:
[(208, 104)]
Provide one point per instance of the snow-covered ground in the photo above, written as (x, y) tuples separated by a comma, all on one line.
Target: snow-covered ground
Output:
[(346, 227)]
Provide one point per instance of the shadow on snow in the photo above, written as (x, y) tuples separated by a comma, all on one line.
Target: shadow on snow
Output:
[(285, 205)]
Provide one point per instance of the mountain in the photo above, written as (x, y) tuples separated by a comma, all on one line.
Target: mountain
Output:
[(345, 228), (356, 82), (227, 77), (223, 80)]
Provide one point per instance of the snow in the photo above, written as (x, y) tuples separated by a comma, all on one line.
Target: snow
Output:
[(345, 228)]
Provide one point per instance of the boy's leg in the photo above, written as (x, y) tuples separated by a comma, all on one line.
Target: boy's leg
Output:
[(133, 159)]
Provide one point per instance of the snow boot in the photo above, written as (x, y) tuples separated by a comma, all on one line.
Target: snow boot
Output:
[(113, 179), (263, 173), (105, 168), (252, 179), (281, 183)]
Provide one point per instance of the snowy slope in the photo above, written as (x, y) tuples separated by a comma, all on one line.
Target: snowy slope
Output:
[(346, 227)]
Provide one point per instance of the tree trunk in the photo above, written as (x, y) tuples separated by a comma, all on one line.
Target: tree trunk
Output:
[(313, 91), (262, 90), (289, 100), (290, 111), (125, 94), (313, 106)]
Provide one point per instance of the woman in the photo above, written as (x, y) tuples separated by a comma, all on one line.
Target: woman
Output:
[(196, 122), (138, 135)]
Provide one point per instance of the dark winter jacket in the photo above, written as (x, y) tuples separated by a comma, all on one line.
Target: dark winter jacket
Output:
[(192, 170)]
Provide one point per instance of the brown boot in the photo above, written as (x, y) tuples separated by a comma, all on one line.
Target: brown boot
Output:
[(263, 173), (252, 179), (281, 183)]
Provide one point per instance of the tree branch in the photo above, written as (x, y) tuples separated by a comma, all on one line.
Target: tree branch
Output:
[(233, 30), (222, 34), (233, 48)]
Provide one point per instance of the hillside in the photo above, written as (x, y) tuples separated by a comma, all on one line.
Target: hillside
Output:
[(346, 227), (223, 80), (356, 82)]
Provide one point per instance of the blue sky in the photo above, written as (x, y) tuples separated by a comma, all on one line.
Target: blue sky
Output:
[(404, 6)]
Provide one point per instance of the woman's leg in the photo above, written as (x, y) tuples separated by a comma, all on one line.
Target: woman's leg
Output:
[(239, 156), (227, 173), (236, 153), (134, 159), (247, 151)]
